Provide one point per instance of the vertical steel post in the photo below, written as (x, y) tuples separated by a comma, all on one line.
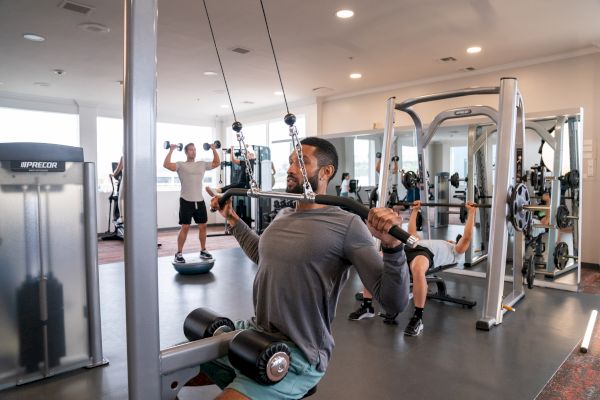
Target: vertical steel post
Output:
[(388, 137), (91, 265), (141, 275), (507, 112)]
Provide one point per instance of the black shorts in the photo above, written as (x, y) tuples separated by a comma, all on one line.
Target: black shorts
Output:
[(189, 209), (411, 254)]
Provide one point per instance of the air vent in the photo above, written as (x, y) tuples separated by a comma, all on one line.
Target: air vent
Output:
[(448, 59), (468, 69), (240, 50), (247, 102), (76, 7), (321, 90)]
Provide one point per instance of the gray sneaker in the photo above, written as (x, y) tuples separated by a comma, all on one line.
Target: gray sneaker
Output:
[(179, 258), (205, 255)]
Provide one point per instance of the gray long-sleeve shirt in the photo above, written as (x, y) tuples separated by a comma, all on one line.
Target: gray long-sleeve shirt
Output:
[(303, 261)]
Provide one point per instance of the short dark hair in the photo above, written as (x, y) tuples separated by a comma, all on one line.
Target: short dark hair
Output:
[(326, 153), (185, 149), (345, 174)]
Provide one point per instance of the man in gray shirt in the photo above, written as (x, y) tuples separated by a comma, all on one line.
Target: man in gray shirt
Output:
[(304, 259), (191, 200)]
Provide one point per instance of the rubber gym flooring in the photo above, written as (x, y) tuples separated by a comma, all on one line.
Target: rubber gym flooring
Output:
[(371, 360)]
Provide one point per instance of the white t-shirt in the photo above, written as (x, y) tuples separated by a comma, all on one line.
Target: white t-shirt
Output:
[(191, 174), (443, 252), (345, 186)]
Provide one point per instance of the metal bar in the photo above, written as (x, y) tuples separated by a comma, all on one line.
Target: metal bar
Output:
[(457, 205), (141, 268), (492, 310), (192, 354), (447, 95), (462, 112), (555, 190), (386, 154), (91, 265)]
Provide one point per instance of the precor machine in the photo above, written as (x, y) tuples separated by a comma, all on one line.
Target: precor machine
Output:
[(49, 308), (509, 169)]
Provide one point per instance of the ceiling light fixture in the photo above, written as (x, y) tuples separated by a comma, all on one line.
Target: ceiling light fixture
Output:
[(356, 75), (474, 50), (59, 72), (278, 93), (33, 37), (344, 14), (210, 73)]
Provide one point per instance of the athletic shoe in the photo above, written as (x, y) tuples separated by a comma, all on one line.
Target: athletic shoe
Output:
[(179, 258), (364, 311), (414, 327), (205, 255)]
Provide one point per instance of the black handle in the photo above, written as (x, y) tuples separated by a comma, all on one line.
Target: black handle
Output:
[(231, 192), (363, 212)]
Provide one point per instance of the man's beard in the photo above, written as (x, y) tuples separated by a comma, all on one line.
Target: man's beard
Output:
[(298, 188)]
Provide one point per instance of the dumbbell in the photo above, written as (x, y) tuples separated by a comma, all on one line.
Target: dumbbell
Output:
[(167, 145), (378, 154), (395, 158), (217, 144)]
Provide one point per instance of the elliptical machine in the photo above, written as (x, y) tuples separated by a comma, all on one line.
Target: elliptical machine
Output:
[(114, 213)]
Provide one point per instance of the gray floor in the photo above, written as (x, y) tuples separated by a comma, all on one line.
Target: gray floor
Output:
[(371, 360)]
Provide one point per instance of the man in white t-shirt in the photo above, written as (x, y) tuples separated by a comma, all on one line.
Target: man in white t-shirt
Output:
[(191, 201), (431, 254)]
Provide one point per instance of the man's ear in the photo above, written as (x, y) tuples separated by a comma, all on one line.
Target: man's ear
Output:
[(326, 172)]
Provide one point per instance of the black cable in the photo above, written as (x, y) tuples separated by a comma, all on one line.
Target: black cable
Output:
[(219, 58), (274, 56)]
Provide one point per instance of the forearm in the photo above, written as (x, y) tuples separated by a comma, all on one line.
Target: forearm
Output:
[(412, 222), (468, 233), (216, 160), (247, 238)]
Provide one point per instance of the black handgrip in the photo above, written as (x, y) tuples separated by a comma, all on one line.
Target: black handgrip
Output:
[(231, 192), (363, 212)]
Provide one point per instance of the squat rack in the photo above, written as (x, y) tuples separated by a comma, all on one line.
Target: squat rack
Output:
[(510, 119)]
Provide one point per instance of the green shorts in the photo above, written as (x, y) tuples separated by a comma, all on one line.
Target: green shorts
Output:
[(301, 377)]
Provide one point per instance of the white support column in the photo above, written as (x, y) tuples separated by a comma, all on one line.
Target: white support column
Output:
[(88, 134)]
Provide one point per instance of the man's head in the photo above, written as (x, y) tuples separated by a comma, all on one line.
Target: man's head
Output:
[(190, 151), (320, 161)]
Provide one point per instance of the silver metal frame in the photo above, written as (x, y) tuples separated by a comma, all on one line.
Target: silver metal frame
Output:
[(510, 119)]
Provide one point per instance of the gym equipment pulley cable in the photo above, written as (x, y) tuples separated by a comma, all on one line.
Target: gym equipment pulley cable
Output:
[(236, 126)]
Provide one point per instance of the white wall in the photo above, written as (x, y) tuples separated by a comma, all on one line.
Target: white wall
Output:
[(560, 84)]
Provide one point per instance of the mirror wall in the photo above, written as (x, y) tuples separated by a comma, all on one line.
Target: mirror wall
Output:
[(552, 142)]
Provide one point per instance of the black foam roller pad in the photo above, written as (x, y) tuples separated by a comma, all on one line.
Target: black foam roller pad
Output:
[(202, 323), (253, 352)]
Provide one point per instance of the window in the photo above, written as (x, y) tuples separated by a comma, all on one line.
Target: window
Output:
[(38, 127), (254, 134), (409, 159), (458, 160), (363, 170), (110, 149)]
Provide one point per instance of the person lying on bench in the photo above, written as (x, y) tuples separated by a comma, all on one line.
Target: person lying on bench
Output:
[(426, 255), (431, 254)]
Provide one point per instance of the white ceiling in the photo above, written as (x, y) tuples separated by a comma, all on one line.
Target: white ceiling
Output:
[(388, 41)]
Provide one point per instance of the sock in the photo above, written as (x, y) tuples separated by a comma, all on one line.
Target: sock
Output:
[(367, 303), (419, 312)]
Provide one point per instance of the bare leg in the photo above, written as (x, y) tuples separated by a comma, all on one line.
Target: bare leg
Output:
[(183, 232), (366, 293), (230, 394), (419, 267), (202, 235)]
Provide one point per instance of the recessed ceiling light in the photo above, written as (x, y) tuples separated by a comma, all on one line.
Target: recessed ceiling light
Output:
[(94, 27), (344, 14), (224, 105), (210, 73), (33, 37), (356, 75), (474, 50), (41, 84), (278, 93)]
